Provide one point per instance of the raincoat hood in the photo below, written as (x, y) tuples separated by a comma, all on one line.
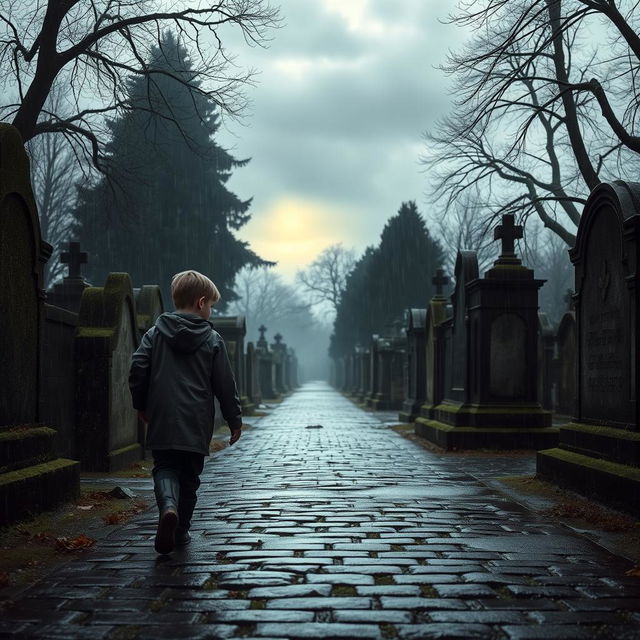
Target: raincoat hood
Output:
[(184, 332)]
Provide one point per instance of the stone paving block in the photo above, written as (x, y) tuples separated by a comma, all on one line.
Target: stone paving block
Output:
[(531, 591), (549, 632), (427, 578), (375, 616), (339, 578), (480, 617), (389, 590), (443, 631), (422, 604), (193, 631), (291, 591), (314, 604), (369, 569), (261, 615), (320, 630), (464, 590)]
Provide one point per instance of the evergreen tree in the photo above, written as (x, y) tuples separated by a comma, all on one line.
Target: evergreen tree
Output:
[(386, 280), (165, 206)]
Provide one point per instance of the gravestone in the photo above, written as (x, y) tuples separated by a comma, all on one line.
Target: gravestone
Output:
[(68, 293), (149, 305), (546, 349), (374, 369), (566, 366), (279, 351), (233, 329), (32, 479), (414, 366), (491, 392), (599, 450), (107, 427), (390, 388), (266, 368), (365, 374), (438, 312), (252, 376)]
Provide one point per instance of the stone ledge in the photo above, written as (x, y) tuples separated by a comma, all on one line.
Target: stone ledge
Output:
[(614, 484), (451, 438), (38, 488), (25, 446)]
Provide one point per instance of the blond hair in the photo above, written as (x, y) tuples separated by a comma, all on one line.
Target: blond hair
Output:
[(188, 286)]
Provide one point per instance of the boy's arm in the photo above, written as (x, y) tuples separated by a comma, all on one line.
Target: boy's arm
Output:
[(224, 388), (139, 372)]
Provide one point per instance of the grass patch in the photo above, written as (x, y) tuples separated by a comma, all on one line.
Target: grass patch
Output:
[(257, 604), (343, 590), (428, 591), (383, 579), (388, 631)]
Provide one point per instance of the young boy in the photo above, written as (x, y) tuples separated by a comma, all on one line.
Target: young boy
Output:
[(180, 365)]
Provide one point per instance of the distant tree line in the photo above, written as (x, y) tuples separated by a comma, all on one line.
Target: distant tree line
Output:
[(387, 279)]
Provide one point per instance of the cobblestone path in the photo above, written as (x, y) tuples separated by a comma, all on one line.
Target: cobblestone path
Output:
[(344, 531)]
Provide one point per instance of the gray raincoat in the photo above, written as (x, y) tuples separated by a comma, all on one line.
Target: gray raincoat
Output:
[(180, 365)]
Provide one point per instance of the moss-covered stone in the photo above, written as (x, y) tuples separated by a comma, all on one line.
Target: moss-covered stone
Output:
[(614, 484)]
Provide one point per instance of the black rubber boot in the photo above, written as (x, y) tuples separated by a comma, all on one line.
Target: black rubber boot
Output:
[(167, 490)]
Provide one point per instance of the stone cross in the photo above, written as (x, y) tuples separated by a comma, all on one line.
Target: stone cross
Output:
[(508, 232), (439, 280), (277, 338), (262, 329), (74, 258)]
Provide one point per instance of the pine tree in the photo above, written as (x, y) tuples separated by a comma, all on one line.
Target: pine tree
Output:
[(164, 206), (386, 280)]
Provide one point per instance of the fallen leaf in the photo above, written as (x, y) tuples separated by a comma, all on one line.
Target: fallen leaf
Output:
[(78, 543), (633, 572)]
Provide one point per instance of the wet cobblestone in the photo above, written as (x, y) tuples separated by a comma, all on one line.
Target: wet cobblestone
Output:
[(348, 531)]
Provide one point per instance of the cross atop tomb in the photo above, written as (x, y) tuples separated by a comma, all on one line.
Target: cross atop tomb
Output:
[(277, 338), (262, 329), (439, 280), (508, 232), (74, 258)]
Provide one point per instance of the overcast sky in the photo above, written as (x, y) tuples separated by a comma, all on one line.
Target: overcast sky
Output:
[(345, 92)]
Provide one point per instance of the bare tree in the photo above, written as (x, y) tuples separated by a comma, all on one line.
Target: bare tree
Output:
[(54, 175), (263, 297), (102, 43), (533, 129), (324, 280), (465, 228)]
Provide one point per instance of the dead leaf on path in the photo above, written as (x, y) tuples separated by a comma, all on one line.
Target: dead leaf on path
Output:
[(80, 543), (118, 517), (633, 572)]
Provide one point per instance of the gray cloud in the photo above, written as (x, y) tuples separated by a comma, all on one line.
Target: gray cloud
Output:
[(346, 129)]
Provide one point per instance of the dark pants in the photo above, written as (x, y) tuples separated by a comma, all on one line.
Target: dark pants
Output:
[(182, 469)]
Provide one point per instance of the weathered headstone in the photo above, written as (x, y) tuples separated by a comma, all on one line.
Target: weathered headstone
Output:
[(31, 479), (599, 451), (437, 315), (149, 305), (546, 349), (390, 389), (107, 426), (490, 398), (414, 365), (266, 368), (68, 293), (252, 380), (374, 368), (365, 374), (233, 329), (279, 351), (566, 366)]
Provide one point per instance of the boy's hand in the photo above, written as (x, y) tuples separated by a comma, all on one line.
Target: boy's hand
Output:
[(143, 417), (235, 436)]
